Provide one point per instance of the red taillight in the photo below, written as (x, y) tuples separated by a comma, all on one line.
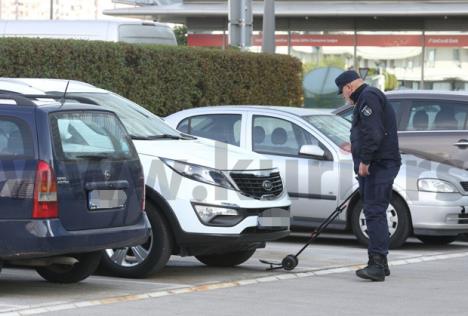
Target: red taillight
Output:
[(45, 192)]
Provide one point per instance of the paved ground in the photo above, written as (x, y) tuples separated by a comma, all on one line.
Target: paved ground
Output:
[(425, 280)]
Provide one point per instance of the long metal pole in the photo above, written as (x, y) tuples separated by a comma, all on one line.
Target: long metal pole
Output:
[(269, 27), (355, 57), (51, 16), (423, 56)]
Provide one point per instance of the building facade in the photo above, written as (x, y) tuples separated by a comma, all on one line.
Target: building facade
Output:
[(61, 9), (424, 44)]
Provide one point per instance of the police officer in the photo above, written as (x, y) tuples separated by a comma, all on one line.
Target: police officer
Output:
[(376, 157)]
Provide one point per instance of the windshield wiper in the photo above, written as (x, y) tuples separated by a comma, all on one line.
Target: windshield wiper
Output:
[(187, 136), (153, 137)]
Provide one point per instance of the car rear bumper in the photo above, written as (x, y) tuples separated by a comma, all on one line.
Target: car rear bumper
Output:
[(23, 239)]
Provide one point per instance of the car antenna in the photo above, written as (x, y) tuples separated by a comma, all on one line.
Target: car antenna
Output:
[(62, 100)]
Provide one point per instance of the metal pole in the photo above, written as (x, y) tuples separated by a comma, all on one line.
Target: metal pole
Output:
[(234, 21), (269, 27), (51, 9), (356, 65), (423, 56)]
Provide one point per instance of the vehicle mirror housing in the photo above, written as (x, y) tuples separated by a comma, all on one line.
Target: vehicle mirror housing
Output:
[(313, 151)]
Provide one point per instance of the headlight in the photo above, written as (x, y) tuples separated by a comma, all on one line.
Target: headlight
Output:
[(199, 173), (436, 185)]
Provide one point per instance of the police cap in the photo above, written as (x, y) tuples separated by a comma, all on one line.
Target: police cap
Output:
[(345, 78)]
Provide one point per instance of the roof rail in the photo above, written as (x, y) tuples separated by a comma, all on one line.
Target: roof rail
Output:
[(54, 96), (18, 98), (61, 96)]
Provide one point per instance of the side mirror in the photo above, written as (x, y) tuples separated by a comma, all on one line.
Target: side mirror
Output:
[(313, 151)]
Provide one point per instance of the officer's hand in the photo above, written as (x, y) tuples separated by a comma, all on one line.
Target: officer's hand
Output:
[(363, 170)]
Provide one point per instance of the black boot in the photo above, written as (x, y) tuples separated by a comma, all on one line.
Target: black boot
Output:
[(386, 268), (375, 270)]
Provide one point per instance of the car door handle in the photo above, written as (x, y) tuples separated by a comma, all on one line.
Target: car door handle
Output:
[(461, 143), (109, 185)]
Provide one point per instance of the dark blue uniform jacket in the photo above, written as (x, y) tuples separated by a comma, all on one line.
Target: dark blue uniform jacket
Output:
[(374, 129)]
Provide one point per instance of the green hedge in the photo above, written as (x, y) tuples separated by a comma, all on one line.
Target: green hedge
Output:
[(164, 79)]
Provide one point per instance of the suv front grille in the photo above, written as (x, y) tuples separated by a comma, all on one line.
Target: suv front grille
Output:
[(464, 185), (258, 184)]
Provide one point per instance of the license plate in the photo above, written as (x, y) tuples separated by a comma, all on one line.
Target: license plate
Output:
[(106, 199), (274, 217)]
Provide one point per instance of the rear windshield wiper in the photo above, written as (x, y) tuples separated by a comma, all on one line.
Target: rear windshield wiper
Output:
[(93, 156)]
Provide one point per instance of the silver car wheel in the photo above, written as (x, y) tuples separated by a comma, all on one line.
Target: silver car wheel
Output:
[(130, 256), (392, 221)]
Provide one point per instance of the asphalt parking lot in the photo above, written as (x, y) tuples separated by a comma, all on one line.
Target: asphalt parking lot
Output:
[(425, 280)]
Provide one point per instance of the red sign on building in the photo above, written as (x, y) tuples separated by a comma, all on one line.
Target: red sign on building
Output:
[(220, 40)]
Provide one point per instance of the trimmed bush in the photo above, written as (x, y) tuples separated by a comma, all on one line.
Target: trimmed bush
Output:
[(164, 79)]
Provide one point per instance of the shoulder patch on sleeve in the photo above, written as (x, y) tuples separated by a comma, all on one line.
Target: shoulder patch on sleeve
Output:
[(366, 110)]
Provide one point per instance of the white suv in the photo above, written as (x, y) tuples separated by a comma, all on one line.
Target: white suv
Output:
[(206, 199)]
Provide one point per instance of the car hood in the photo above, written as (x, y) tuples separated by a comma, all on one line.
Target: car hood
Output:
[(204, 152)]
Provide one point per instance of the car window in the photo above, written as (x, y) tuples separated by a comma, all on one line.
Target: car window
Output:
[(271, 135), (347, 114), (184, 126), (427, 115), (396, 105), (334, 127), (15, 139), (225, 128), (90, 134)]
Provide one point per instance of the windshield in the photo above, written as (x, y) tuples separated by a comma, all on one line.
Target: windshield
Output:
[(139, 122), (334, 127)]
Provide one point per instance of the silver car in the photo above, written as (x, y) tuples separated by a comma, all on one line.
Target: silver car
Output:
[(311, 148)]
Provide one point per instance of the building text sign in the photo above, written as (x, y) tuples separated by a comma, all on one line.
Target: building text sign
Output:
[(220, 40)]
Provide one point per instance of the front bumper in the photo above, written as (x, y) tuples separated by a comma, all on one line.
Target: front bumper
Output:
[(201, 244), (439, 214), (26, 239)]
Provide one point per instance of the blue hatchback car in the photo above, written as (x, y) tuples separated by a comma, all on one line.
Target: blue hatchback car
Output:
[(71, 185)]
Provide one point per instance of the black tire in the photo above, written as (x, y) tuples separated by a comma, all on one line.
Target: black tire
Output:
[(58, 273), (158, 247), (403, 229), (229, 259), (437, 240)]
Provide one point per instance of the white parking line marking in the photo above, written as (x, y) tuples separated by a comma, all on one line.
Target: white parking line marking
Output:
[(223, 285)]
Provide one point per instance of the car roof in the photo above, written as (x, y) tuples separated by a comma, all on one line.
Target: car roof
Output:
[(298, 111), (426, 93)]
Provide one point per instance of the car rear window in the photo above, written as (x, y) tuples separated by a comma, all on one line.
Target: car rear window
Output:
[(15, 139), (90, 135)]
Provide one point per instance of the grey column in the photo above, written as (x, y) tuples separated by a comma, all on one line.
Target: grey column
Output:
[(240, 23), (269, 27), (423, 56), (234, 22)]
